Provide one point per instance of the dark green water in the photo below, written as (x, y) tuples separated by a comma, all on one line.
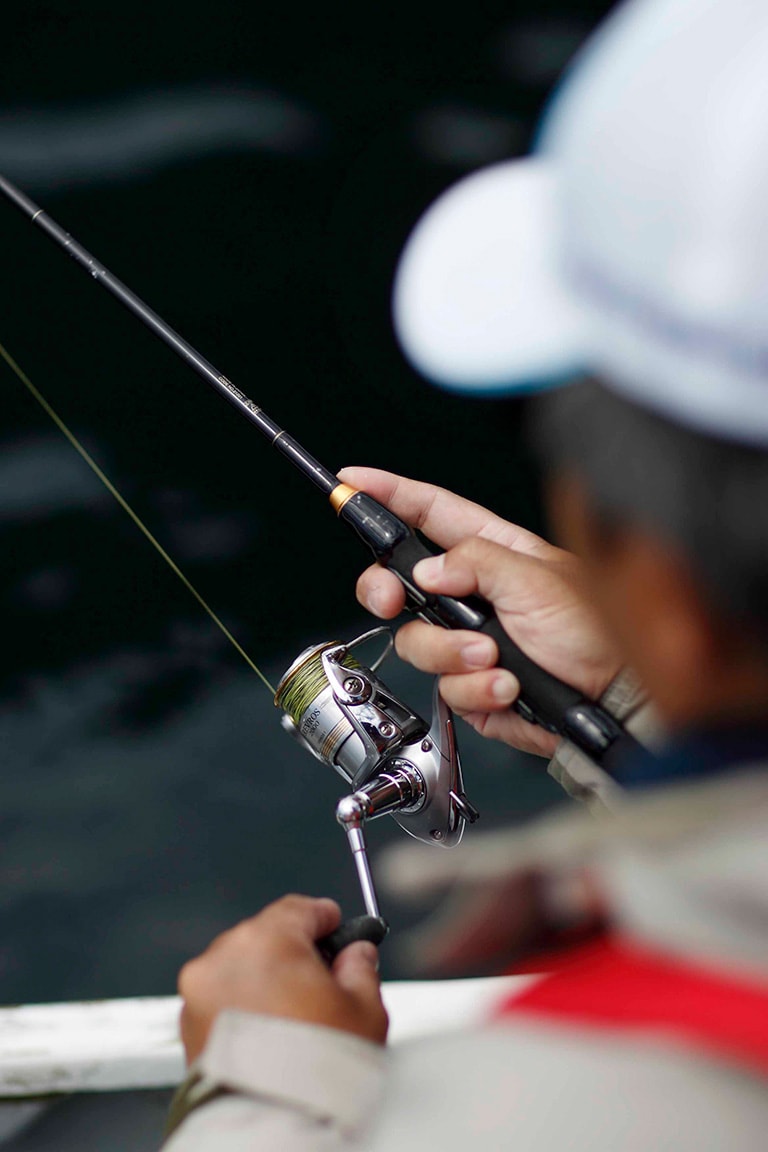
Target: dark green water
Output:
[(253, 174)]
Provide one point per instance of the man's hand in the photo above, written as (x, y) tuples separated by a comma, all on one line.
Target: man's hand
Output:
[(270, 965), (539, 592)]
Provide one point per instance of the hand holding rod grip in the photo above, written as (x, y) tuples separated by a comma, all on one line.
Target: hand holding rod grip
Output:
[(543, 699)]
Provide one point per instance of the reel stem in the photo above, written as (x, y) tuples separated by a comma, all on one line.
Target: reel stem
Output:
[(356, 840), (351, 816)]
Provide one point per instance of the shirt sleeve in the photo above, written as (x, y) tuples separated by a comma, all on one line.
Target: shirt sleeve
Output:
[(626, 700), (279, 1086)]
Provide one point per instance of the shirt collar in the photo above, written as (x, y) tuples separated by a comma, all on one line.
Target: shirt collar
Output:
[(696, 753)]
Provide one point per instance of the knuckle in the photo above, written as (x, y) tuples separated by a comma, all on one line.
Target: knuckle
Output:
[(380, 1023), (285, 919), (471, 548), (291, 902), (243, 933), (188, 977), (479, 552)]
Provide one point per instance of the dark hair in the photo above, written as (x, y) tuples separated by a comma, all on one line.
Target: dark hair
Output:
[(707, 497)]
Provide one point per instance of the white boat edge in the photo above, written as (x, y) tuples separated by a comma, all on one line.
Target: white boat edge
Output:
[(127, 1044)]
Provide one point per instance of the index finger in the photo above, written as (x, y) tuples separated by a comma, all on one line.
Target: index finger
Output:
[(312, 917), (441, 515)]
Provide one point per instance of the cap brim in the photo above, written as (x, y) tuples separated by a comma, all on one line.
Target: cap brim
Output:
[(478, 300)]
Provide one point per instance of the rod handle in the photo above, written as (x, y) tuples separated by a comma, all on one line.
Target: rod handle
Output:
[(373, 928)]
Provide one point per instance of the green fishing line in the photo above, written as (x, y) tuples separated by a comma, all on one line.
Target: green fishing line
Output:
[(85, 455), (307, 682)]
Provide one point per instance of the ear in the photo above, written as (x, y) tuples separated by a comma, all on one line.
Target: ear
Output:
[(669, 631), (664, 616)]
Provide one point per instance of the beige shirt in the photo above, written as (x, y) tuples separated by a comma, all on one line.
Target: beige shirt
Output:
[(685, 868)]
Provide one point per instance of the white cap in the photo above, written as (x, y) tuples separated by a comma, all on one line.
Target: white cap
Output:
[(634, 244)]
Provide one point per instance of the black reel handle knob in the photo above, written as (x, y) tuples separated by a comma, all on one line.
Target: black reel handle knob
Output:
[(373, 928)]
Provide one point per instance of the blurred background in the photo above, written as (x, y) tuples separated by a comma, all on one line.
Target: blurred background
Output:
[(252, 171)]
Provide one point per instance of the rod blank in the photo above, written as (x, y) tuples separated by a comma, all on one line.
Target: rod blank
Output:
[(284, 443)]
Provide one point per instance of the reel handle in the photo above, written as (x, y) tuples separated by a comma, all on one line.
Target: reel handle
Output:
[(544, 699), (373, 928)]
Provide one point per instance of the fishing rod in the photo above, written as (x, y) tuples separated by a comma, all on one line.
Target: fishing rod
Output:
[(544, 699)]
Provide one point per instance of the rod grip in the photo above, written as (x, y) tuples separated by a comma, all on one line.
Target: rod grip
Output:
[(373, 928)]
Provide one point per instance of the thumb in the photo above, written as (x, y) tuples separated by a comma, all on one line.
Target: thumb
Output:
[(356, 970), (476, 565)]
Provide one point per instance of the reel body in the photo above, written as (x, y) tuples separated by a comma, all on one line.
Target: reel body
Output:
[(396, 763)]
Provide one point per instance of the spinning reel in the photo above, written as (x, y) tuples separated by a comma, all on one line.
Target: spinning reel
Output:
[(395, 763)]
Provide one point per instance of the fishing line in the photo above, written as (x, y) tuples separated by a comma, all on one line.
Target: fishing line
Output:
[(85, 455)]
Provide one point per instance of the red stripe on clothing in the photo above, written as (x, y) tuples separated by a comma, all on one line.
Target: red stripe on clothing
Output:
[(613, 983)]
